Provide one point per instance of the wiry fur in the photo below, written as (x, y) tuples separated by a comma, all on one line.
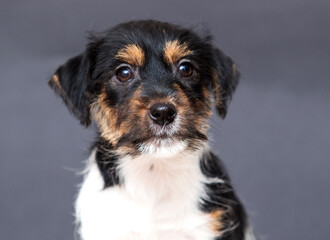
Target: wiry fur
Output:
[(148, 179)]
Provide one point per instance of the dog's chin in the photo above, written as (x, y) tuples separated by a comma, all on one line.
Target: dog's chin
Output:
[(162, 147)]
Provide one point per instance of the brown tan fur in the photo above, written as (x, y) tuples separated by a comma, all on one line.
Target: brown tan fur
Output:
[(106, 119), (55, 80), (132, 54), (217, 220), (137, 106), (202, 120), (217, 90), (234, 70), (184, 106), (184, 103), (174, 51)]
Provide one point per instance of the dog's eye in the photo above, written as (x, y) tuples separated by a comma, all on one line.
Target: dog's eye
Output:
[(124, 74), (186, 69)]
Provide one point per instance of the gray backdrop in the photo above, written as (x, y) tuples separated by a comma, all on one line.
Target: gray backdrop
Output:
[(275, 140)]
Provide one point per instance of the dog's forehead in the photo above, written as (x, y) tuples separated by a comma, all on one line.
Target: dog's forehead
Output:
[(136, 42), (171, 51)]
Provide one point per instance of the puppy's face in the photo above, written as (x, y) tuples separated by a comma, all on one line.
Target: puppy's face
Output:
[(148, 85)]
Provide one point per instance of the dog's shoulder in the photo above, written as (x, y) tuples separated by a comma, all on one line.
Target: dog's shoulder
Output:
[(221, 197)]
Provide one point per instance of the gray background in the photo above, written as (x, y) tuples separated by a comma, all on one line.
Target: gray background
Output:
[(275, 140)]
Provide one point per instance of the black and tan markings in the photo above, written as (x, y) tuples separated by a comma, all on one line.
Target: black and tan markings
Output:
[(174, 51), (132, 54), (152, 53), (128, 125), (115, 122), (221, 202), (55, 83)]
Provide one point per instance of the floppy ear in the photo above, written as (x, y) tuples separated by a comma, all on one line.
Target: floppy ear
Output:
[(225, 80), (70, 82)]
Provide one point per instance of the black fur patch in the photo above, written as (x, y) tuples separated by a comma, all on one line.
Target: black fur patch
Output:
[(107, 163), (222, 196)]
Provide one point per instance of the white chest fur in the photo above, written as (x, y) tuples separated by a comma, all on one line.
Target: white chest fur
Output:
[(158, 201)]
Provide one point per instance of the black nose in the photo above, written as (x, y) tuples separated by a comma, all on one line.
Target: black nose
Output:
[(162, 113)]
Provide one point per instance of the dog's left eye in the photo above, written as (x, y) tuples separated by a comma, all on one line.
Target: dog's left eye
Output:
[(124, 74), (186, 69)]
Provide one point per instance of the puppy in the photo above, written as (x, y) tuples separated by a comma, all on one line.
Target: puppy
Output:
[(149, 86)]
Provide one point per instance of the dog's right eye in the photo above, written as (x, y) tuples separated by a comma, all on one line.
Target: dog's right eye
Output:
[(124, 74)]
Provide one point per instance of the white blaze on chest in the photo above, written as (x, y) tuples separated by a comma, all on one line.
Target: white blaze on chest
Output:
[(157, 200)]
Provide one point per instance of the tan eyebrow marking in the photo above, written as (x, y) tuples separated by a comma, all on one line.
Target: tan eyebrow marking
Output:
[(174, 51), (132, 54)]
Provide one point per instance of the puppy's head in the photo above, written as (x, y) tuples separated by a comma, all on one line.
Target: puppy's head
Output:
[(148, 85)]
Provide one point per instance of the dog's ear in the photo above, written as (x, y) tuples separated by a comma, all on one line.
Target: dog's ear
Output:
[(225, 79), (70, 81)]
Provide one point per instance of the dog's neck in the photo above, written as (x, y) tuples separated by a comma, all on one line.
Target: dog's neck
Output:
[(148, 178), (155, 178)]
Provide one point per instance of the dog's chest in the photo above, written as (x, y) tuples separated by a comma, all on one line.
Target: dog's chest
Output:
[(157, 200)]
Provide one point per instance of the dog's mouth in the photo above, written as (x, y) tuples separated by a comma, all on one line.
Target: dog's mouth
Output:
[(166, 130), (162, 141)]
